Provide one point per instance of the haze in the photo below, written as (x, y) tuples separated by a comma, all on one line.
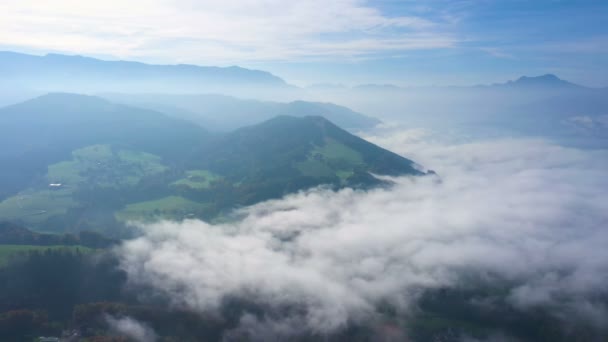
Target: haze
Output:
[(178, 170)]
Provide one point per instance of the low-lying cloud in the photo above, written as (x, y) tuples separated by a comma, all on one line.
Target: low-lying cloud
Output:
[(523, 212), (131, 328)]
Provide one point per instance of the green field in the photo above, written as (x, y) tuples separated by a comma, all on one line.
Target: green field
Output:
[(315, 168), (93, 166), (8, 251), (198, 179), (331, 159), (102, 166), (334, 150), (344, 174), (37, 206), (171, 207)]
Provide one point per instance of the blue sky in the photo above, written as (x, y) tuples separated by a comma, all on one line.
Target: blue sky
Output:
[(404, 42), (496, 40)]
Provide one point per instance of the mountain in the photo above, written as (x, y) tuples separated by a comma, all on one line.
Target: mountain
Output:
[(225, 113), (75, 162), (377, 87), (54, 72), (61, 121), (327, 86), (46, 130), (545, 81), (283, 140), (542, 106), (342, 116), (286, 154)]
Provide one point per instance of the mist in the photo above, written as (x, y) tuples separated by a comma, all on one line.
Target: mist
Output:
[(540, 106), (567, 114), (127, 326), (356, 170), (523, 215)]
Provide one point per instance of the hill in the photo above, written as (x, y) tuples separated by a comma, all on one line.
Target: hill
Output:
[(74, 162), (269, 160), (226, 113), (45, 130), (286, 154), (61, 120), (285, 139)]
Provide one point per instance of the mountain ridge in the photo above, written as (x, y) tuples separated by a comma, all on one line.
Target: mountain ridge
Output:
[(546, 80), (524, 80), (81, 60), (237, 112), (81, 74)]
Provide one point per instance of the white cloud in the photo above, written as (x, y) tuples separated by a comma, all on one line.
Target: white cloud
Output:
[(528, 212), (131, 328), (214, 31)]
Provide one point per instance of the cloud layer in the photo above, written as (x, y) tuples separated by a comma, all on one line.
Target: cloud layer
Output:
[(131, 328), (523, 212), (214, 31)]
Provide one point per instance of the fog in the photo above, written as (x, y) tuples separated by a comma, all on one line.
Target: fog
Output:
[(540, 106), (516, 213), (525, 215), (570, 115), (135, 330)]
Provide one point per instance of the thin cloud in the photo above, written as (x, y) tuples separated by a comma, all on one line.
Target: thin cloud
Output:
[(131, 328), (221, 30)]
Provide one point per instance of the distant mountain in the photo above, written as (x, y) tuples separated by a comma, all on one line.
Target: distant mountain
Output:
[(225, 113), (377, 87), (54, 72), (327, 86), (543, 106), (544, 81), (74, 162), (342, 116)]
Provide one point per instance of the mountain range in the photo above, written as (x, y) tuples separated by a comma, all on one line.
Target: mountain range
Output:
[(76, 170), (543, 106), (56, 72), (225, 113), (541, 81), (74, 162), (194, 93)]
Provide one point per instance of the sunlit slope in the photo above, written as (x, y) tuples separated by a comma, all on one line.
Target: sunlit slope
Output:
[(287, 146)]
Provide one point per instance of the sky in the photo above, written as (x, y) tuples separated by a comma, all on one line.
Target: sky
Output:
[(403, 42)]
